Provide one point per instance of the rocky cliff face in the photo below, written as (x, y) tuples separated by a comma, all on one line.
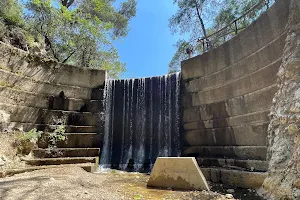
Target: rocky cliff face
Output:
[(283, 181)]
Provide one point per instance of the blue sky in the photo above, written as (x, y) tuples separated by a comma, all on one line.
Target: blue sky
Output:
[(148, 47)]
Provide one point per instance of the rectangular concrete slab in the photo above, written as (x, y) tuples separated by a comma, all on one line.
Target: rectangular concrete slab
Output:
[(177, 173)]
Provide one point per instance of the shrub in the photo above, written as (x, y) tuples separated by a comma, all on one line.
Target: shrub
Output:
[(56, 136), (26, 141)]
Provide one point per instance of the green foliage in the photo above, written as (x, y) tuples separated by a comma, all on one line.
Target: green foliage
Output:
[(82, 33), (11, 12), (138, 197), (191, 19), (74, 32), (174, 65), (56, 136), (26, 141)]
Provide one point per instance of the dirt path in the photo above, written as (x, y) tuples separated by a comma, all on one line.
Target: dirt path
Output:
[(75, 183)]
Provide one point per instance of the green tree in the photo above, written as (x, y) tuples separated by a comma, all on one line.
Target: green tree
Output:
[(11, 12), (81, 32), (190, 20), (200, 18), (12, 24)]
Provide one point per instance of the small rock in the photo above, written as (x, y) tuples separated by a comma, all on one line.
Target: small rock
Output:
[(297, 184), (3, 160), (169, 188), (52, 179), (85, 192), (229, 196), (230, 190)]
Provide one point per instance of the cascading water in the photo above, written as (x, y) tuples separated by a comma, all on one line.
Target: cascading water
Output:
[(141, 121)]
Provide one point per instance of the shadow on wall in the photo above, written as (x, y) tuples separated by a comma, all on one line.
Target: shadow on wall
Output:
[(37, 91), (212, 130)]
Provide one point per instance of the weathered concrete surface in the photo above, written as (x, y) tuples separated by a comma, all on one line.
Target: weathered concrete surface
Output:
[(37, 100), (235, 152), (41, 93), (237, 178), (283, 181), (243, 135), (78, 140), (45, 116), (23, 126), (177, 173), (227, 95), (45, 70), (247, 165), (43, 87), (259, 34)]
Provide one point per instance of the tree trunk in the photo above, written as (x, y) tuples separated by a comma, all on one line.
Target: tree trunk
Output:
[(202, 24), (200, 19)]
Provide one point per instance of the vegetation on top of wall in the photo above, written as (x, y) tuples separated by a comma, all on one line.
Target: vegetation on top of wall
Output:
[(197, 19), (75, 32)]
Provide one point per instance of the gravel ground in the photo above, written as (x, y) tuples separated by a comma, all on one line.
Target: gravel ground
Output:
[(75, 183)]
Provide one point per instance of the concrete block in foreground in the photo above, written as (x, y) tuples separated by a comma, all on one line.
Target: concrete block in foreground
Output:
[(177, 173)]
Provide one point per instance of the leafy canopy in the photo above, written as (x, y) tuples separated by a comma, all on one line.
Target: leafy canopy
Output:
[(11, 12), (81, 32), (78, 32)]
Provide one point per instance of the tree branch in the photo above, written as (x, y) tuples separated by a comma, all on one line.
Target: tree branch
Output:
[(70, 3), (65, 60), (200, 19), (67, 3)]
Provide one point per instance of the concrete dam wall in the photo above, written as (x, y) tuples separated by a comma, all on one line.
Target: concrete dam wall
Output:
[(217, 110), (227, 95), (40, 93)]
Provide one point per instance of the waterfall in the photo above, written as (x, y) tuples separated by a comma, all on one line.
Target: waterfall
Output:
[(142, 122)]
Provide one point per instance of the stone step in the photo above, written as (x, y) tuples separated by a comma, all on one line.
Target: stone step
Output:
[(76, 140), (61, 161), (27, 84), (44, 116), (89, 167), (234, 178), (235, 152), (93, 106), (246, 165), (66, 152), (48, 127), (30, 99)]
